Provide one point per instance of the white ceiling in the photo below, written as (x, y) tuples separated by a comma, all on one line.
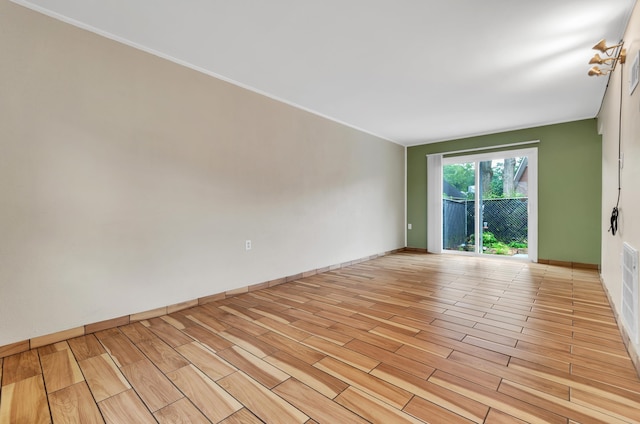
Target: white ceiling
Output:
[(410, 71)]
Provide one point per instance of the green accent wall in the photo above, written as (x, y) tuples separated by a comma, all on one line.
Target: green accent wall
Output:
[(569, 187)]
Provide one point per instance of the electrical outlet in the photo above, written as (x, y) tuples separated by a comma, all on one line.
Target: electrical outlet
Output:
[(247, 245)]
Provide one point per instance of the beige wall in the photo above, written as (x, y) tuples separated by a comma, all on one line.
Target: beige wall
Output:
[(128, 182), (629, 227)]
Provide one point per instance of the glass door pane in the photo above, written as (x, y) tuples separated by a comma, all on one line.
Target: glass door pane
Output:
[(503, 212), (485, 205), (458, 206)]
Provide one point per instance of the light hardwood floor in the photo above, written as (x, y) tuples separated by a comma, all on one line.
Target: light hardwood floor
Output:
[(403, 338)]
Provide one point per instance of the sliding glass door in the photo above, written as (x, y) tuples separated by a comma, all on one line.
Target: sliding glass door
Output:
[(487, 204)]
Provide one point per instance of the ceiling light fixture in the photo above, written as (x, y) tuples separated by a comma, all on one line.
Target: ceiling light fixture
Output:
[(614, 54)]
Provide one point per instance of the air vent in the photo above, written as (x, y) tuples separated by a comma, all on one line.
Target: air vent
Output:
[(630, 290)]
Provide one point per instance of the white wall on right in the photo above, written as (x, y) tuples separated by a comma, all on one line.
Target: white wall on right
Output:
[(609, 120)]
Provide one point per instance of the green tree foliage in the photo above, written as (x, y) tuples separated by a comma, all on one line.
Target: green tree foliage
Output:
[(462, 176)]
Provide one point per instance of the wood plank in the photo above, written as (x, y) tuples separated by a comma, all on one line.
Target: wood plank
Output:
[(155, 390), (613, 368), (293, 348), (535, 338), (243, 416), (74, 404), (427, 327), (285, 330), (433, 348), (137, 332), (353, 320), (211, 399), (433, 395), (206, 361), (596, 376), (25, 402), (253, 366), (199, 316), (266, 405), (590, 340), (243, 324), (470, 373), (60, 370), (601, 354), (181, 318), (175, 321), (498, 417), (241, 307), (306, 313), (431, 412), (20, 367), (207, 338), (315, 405), (355, 359), (181, 412), (307, 374), (370, 384), (389, 358), (271, 313), (322, 332), (367, 337), (480, 320), (510, 405), (481, 331), (248, 342), (623, 411), (571, 410), (616, 390), (103, 377), (86, 347), (548, 360), (109, 332), (120, 348), (162, 355), (168, 333), (373, 409), (125, 408), (546, 385), (390, 325), (52, 348)]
